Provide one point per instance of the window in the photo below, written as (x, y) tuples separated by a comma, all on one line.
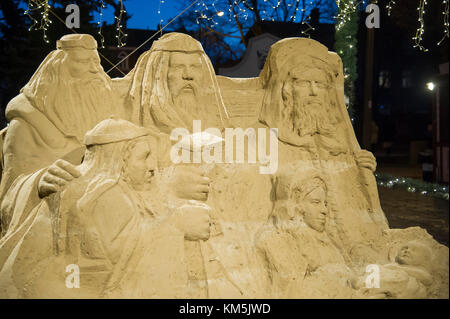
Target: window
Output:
[(406, 79), (384, 79)]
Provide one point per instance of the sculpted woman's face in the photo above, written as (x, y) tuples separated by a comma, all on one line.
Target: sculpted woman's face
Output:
[(141, 165), (315, 209)]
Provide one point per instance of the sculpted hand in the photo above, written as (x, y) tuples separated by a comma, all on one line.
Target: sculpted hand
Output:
[(56, 176), (194, 221), (365, 159), (190, 182)]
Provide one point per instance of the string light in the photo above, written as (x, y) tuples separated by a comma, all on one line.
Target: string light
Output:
[(389, 6), (345, 10), (421, 29), (413, 185), (445, 13), (30, 8), (161, 2), (100, 24), (45, 20), (120, 34), (309, 27), (44, 23)]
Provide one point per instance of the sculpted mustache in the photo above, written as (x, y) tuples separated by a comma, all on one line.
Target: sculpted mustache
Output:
[(90, 80), (189, 85), (313, 101)]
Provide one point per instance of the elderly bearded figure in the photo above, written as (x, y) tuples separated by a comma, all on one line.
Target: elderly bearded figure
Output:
[(173, 84), (301, 99), (68, 94)]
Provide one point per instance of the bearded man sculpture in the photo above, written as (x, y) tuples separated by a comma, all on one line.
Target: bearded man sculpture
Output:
[(304, 99), (131, 226), (173, 84), (67, 95)]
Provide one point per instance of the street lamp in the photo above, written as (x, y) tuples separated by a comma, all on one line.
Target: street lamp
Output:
[(220, 13), (430, 86)]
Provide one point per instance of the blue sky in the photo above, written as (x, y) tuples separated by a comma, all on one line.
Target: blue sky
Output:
[(145, 13)]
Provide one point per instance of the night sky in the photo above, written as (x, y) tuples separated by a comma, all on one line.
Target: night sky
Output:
[(145, 13)]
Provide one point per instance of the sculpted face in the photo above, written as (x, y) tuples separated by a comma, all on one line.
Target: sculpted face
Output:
[(309, 86), (141, 165), (306, 99), (314, 209), (185, 74), (412, 254), (83, 64)]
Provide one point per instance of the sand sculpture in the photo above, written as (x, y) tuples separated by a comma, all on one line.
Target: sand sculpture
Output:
[(93, 204)]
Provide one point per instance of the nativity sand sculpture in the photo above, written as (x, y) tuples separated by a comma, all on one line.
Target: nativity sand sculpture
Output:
[(104, 196)]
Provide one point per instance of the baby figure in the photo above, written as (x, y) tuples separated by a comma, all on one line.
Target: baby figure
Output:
[(407, 277)]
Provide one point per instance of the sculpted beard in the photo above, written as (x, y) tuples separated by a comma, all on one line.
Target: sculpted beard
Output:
[(81, 103), (310, 116), (189, 101)]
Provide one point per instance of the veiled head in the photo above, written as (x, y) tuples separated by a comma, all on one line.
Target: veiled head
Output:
[(173, 84), (117, 150), (301, 198), (71, 88), (300, 94)]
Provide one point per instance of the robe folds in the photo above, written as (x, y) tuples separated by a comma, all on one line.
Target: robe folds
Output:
[(120, 246)]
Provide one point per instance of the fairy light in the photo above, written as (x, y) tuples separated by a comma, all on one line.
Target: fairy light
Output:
[(45, 20), (120, 34), (44, 23), (203, 14), (237, 10), (345, 10), (100, 24), (421, 29), (28, 11), (389, 6), (306, 33), (161, 2), (294, 16), (413, 185), (445, 13)]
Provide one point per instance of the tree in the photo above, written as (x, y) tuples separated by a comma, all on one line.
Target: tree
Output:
[(226, 25)]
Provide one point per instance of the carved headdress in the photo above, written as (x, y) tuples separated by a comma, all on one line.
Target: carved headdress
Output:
[(149, 101), (108, 144), (283, 57), (73, 105)]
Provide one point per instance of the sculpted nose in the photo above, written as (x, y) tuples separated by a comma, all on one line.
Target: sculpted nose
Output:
[(313, 88), (93, 67), (187, 74)]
